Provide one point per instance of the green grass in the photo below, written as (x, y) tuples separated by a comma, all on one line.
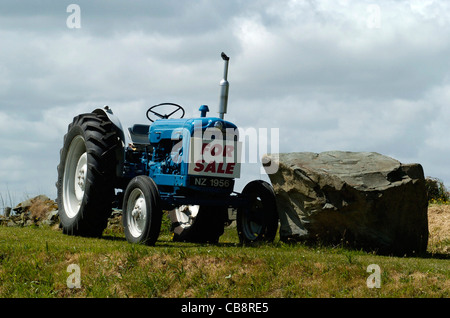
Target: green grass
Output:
[(34, 261)]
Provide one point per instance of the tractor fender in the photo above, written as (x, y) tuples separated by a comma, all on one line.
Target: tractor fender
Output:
[(120, 152)]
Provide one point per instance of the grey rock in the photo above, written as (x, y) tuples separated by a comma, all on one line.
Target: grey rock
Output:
[(360, 199), (24, 206), (7, 211), (51, 219)]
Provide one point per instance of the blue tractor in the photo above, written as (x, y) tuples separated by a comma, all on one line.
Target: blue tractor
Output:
[(184, 166)]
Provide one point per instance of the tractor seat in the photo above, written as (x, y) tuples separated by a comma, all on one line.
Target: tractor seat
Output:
[(139, 134)]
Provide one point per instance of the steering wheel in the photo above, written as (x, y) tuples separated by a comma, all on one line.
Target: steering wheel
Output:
[(165, 116)]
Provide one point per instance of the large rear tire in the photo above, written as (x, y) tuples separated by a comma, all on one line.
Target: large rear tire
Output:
[(86, 175), (142, 213), (258, 222)]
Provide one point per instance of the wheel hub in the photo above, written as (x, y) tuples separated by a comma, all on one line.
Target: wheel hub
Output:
[(253, 219), (138, 213), (80, 177)]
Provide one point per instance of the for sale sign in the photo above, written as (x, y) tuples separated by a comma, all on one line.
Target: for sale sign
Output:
[(215, 158)]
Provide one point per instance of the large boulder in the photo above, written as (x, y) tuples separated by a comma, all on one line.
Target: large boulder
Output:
[(360, 199)]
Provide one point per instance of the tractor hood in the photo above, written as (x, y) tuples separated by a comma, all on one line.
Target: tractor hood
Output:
[(174, 129)]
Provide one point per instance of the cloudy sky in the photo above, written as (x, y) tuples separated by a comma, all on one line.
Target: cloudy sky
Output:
[(331, 75)]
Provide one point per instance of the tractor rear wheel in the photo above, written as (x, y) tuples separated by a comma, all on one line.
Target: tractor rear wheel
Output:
[(197, 224), (258, 222), (86, 174)]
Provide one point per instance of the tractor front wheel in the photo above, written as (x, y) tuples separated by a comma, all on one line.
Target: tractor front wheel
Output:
[(142, 213), (258, 221)]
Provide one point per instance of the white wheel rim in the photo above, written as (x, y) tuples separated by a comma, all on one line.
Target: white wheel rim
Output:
[(136, 213), (186, 214), (74, 180), (80, 176)]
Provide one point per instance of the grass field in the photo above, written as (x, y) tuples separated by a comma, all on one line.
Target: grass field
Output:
[(34, 262)]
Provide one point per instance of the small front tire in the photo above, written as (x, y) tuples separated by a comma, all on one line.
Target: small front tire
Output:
[(258, 222), (142, 213)]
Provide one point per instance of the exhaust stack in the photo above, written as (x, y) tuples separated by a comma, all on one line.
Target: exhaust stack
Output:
[(224, 85)]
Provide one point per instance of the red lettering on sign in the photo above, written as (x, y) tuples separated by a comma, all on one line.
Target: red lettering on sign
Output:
[(228, 151), (218, 149), (211, 167), (220, 168), (230, 168), (204, 146), (199, 166)]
